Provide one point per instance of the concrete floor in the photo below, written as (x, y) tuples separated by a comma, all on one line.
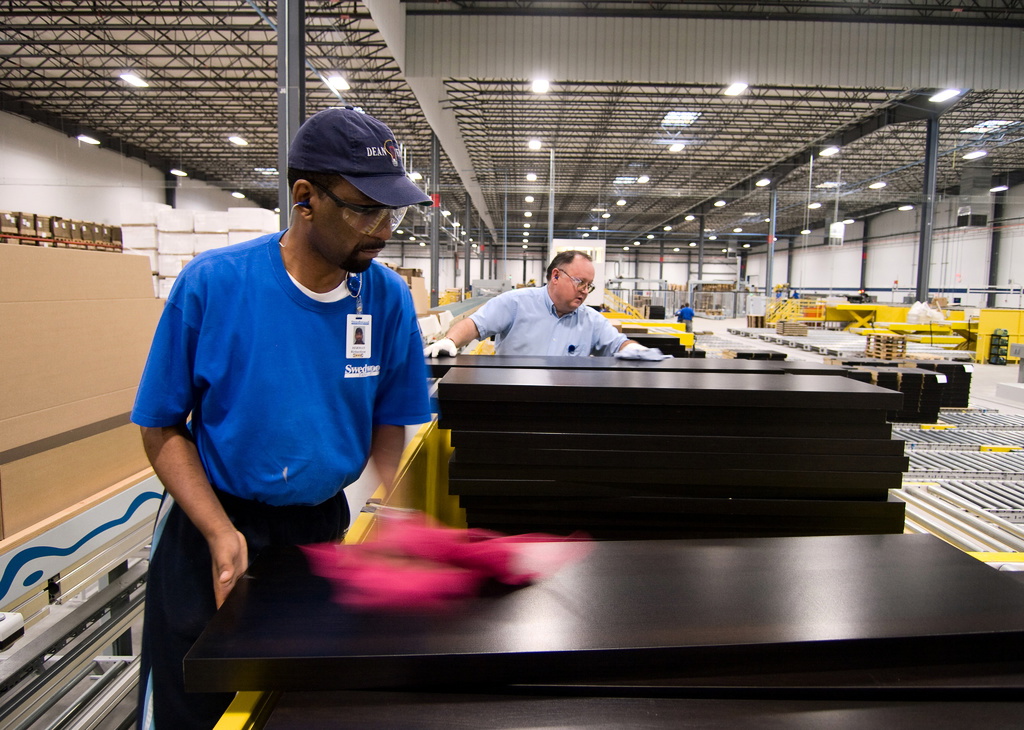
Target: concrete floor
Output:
[(983, 381)]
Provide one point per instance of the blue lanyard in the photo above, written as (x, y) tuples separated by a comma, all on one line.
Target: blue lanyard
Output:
[(354, 282)]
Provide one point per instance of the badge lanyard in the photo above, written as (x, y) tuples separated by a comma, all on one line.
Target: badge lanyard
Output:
[(355, 288)]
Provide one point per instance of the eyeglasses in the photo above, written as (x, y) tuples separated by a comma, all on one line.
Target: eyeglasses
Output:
[(366, 219), (578, 283)]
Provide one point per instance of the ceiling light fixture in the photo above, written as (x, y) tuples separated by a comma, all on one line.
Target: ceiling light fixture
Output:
[(235, 139), (763, 182), (712, 238), (415, 175), (829, 151), (178, 173), (134, 79), (667, 228), (975, 154), (650, 236), (905, 207), (533, 144), (594, 228), (528, 198), (643, 179), (999, 189), (676, 147), (337, 82), (540, 86), (238, 195), (719, 203), (944, 95), (528, 214), (620, 201), (531, 177), (689, 218), (814, 206), (849, 221), (877, 185), (676, 249), (606, 215), (87, 139), (737, 230), (746, 245), (805, 232), (636, 243), (692, 244), (735, 89), (527, 225)]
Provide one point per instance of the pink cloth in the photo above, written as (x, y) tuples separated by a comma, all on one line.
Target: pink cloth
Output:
[(417, 564)]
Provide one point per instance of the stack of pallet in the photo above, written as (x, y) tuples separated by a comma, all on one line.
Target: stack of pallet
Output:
[(639, 454), (886, 347), (791, 329)]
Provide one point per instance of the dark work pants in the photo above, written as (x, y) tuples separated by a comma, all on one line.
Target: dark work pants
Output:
[(180, 601)]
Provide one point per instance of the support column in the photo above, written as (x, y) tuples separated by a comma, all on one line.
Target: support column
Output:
[(171, 189), (995, 246), (924, 247), (291, 88), (551, 205), (467, 255), (700, 248), (435, 219), (864, 256), (770, 263)]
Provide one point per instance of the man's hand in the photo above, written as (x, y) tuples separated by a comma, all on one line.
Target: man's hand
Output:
[(636, 351), (230, 556), (441, 347)]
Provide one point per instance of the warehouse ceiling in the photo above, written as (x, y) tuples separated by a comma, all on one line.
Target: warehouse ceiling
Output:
[(211, 70)]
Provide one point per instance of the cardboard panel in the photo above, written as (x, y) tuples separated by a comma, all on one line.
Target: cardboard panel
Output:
[(33, 488), (39, 274), (58, 353)]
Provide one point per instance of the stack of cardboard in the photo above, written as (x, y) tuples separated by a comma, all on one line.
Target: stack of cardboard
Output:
[(75, 329)]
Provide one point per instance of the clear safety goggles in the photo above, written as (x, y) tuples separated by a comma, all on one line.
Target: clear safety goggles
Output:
[(367, 219)]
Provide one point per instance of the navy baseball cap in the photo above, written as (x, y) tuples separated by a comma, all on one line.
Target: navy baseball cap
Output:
[(347, 142)]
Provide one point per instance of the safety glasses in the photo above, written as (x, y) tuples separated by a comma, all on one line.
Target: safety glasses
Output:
[(366, 219)]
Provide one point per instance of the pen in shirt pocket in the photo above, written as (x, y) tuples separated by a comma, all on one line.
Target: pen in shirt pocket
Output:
[(572, 349)]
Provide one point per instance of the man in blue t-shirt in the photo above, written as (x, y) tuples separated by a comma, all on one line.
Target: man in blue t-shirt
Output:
[(279, 369), (685, 314)]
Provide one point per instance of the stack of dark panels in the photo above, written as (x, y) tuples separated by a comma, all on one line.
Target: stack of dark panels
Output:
[(957, 391), (921, 389), (668, 344), (757, 355), (632, 454)]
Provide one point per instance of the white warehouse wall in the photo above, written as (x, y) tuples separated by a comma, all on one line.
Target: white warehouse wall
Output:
[(48, 173), (959, 262)]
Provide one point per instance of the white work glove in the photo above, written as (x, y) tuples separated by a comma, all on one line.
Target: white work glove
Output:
[(443, 346), (633, 351)]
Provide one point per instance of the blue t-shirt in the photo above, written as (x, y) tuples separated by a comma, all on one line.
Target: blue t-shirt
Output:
[(684, 314), (280, 413), (524, 322)]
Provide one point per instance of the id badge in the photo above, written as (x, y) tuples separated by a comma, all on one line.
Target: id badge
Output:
[(358, 336)]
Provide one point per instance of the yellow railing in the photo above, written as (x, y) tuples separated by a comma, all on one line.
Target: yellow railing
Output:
[(793, 310), (618, 304)]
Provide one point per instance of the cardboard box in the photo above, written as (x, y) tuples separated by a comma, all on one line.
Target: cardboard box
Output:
[(210, 241), (176, 243), (212, 222), (253, 219), (27, 224), (43, 227), (141, 213), (60, 228), (171, 264), (420, 296), (9, 222)]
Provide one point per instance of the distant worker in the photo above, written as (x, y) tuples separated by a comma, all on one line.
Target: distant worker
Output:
[(685, 315), (548, 320)]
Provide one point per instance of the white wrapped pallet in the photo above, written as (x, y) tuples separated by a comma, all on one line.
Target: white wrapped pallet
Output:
[(252, 219), (176, 243), (141, 213), (241, 236), (175, 220), (171, 264), (208, 241), (139, 237), (165, 284), (215, 221)]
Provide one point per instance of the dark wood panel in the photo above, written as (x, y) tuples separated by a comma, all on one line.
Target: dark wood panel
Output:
[(646, 608), (749, 390), (500, 439), (443, 711)]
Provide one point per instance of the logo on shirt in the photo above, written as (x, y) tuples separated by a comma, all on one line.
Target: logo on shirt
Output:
[(362, 371)]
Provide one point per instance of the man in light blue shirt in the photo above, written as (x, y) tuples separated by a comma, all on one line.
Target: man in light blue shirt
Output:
[(550, 320)]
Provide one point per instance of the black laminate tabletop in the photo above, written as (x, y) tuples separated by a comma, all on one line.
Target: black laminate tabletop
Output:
[(750, 390), (634, 608), (441, 365)]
